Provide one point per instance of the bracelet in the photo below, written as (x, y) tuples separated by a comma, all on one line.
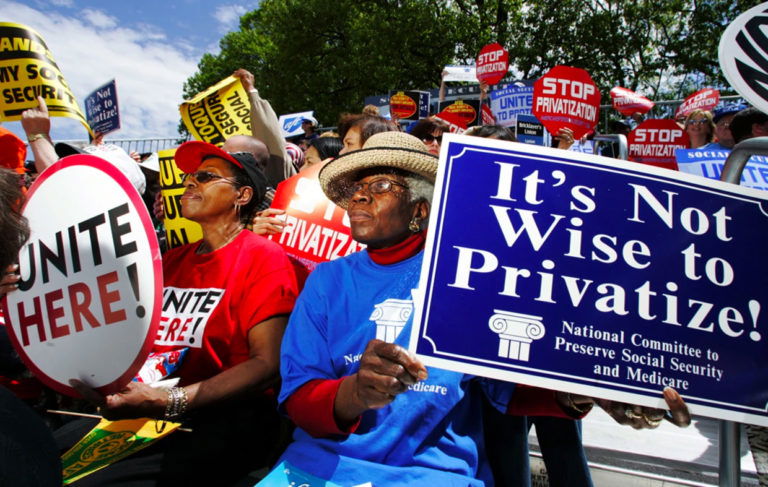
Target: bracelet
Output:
[(34, 137), (177, 403)]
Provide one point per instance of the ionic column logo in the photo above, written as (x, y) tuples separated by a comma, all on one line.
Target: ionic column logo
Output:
[(390, 316), (516, 332)]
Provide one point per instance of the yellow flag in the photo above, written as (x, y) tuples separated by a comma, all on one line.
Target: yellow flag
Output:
[(221, 111), (28, 70), (110, 441)]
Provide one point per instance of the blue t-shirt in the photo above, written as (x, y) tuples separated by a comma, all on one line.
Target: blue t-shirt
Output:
[(429, 435)]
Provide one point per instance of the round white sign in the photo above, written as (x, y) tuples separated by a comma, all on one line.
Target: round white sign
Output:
[(743, 56), (88, 305)]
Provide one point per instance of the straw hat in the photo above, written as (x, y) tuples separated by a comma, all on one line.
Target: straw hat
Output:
[(386, 149)]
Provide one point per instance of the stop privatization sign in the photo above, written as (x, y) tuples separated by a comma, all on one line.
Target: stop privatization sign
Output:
[(654, 142), (567, 97), (492, 64), (88, 304)]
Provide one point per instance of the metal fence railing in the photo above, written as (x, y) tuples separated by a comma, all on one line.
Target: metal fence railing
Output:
[(138, 145)]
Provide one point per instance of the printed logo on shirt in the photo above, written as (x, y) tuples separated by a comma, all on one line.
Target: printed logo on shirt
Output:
[(390, 317), (185, 315)]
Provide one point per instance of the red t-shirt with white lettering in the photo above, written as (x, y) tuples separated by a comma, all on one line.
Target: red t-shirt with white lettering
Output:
[(211, 301)]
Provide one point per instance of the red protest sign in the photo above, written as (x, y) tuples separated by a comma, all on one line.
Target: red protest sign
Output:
[(402, 105), (705, 99), (567, 97), (492, 64), (316, 229), (456, 124), (654, 142), (628, 102), (88, 305)]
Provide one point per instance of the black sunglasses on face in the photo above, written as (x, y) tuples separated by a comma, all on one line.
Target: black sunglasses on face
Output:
[(431, 138), (203, 177)]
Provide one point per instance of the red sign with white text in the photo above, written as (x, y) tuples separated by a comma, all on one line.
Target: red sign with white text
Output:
[(492, 64), (705, 99), (88, 305), (567, 97), (316, 229), (654, 142), (456, 124), (628, 102)]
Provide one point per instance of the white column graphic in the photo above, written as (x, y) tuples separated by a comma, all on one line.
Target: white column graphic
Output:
[(516, 332), (390, 316)]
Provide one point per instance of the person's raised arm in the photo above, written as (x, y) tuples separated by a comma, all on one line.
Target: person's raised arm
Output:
[(266, 127), (37, 125)]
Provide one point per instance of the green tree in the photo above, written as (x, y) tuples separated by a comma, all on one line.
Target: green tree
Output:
[(322, 56)]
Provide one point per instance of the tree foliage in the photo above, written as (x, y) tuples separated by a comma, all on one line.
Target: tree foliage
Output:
[(327, 56)]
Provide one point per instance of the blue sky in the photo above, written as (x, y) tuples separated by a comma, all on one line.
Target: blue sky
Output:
[(149, 46)]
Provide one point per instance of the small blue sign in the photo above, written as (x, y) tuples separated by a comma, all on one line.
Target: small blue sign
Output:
[(529, 130), (594, 276), (291, 123), (102, 110)]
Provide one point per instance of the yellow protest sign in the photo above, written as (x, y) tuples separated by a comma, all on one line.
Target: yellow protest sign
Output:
[(221, 111), (110, 441), (178, 230), (28, 70)]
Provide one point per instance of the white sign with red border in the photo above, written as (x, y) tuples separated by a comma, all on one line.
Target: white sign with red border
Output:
[(88, 305), (743, 56)]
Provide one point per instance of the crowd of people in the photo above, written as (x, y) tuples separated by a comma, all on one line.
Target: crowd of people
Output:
[(271, 382)]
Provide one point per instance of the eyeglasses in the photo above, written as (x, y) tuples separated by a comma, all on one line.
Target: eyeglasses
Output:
[(203, 177), (429, 138), (377, 186), (723, 124), (701, 121)]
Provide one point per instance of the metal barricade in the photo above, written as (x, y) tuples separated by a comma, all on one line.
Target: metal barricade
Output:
[(730, 454), (619, 139)]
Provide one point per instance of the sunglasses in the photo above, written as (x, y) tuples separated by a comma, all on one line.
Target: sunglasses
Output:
[(203, 177), (377, 186), (702, 121), (428, 139)]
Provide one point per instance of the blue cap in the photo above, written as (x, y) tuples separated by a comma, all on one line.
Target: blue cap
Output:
[(728, 109)]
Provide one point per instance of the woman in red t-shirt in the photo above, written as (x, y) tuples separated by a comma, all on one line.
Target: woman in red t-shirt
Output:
[(226, 301)]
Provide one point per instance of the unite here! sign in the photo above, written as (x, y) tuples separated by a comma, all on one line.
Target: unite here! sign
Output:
[(88, 304)]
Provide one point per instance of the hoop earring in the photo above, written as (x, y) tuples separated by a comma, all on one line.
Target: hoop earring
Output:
[(414, 226), (237, 209)]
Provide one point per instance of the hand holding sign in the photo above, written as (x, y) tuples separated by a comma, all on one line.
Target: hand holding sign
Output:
[(36, 120), (640, 417), (135, 400)]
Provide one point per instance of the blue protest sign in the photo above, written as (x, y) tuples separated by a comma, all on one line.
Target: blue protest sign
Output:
[(508, 103), (596, 276), (102, 110), (709, 163), (529, 130)]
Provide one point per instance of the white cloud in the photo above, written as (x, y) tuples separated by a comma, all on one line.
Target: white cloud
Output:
[(99, 19), (150, 73), (229, 16), (62, 3)]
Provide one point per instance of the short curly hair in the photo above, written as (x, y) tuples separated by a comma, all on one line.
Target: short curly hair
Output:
[(13, 225)]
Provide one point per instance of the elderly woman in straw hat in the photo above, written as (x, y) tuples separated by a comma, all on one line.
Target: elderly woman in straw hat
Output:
[(366, 410)]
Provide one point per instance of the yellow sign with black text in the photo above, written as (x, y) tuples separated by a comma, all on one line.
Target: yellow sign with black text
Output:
[(221, 111), (178, 230), (28, 70)]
